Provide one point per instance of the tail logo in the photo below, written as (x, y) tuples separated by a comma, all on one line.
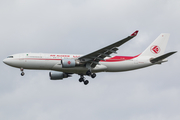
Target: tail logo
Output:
[(155, 49)]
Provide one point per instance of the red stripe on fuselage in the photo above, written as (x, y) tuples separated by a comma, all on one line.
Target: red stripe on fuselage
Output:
[(37, 59), (119, 58), (113, 59)]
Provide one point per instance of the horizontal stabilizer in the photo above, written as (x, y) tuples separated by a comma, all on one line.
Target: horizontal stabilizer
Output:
[(160, 58)]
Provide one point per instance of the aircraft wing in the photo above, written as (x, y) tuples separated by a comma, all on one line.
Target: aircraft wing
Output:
[(94, 57)]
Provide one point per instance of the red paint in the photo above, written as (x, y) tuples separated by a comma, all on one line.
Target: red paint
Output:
[(119, 58), (37, 59), (113, 59), (60, 55), (52, 55), (135, 33), (69, 62), (76, 56), (155, 49)]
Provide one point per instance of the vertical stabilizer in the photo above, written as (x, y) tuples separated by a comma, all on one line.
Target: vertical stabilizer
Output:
[(158, 47)]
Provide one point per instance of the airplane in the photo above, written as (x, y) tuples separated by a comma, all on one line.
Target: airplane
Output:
[(64, 65)]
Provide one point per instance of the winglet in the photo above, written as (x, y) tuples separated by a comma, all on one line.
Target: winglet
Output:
[(135, 33)]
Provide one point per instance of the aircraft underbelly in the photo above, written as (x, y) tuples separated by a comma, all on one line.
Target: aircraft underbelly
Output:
[(124, 65), (102, 67), (78, 70), (38, 64)]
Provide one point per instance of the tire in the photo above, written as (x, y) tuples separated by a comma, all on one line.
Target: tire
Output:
[(88, 72), (22, 74), (86, 82), (81, 79), (93, 75)]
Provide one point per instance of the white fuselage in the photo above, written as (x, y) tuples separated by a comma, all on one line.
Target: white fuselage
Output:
[(90, 64), (41, 61)]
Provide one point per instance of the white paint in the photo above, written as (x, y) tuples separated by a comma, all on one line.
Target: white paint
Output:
[(42, 61)]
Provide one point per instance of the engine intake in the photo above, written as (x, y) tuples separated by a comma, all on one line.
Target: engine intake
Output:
[(58, 75)]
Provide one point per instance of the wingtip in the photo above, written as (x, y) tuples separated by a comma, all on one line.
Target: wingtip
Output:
[(135, 33), (175, 52)]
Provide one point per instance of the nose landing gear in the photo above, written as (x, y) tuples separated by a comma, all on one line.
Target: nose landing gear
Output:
[(22, 73)]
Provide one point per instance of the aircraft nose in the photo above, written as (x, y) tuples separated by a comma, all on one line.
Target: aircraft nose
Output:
[(5, 61), (9, 62)]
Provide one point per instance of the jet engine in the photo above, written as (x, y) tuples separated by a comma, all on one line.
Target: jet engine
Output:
[(69, 63), (58, 75)]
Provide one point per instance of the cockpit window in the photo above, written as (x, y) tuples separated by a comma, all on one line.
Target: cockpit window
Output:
[(10, 57)]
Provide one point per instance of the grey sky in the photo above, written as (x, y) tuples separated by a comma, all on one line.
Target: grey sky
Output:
[(80, 27)]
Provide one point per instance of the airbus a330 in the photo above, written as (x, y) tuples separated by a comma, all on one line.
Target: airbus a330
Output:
[(64, 65)]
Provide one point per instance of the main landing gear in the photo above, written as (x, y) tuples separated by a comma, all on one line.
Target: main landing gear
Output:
[(93, 75), (89, 73), (22, 73), (83, 79)]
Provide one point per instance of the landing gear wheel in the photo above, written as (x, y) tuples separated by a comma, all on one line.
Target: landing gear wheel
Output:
[(86, 82), (22, 74), (93, 75), (88, 73), (81, 79)]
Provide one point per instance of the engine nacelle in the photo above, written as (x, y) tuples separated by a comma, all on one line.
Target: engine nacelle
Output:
[(69, 63), (58, 75)]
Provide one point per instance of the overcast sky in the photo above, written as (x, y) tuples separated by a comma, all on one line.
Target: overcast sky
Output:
[(81, 27)]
